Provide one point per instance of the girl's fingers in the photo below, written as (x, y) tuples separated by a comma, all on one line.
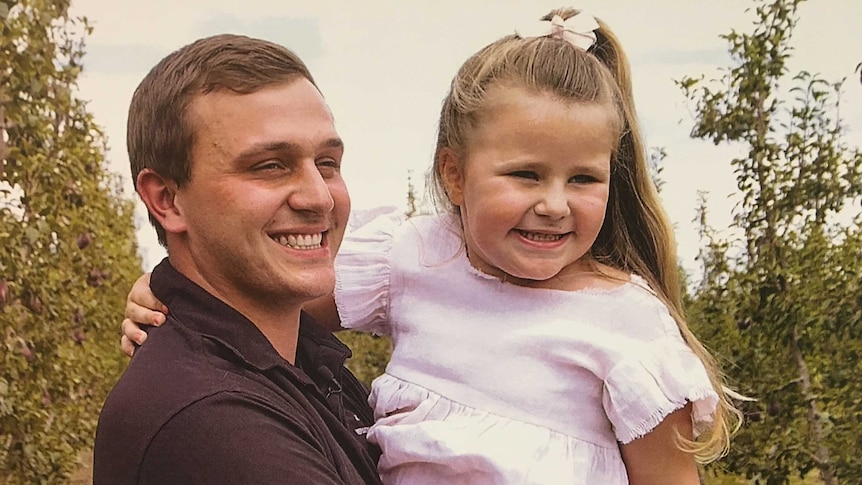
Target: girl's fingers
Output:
[(132, 331), (127, 346), (140, 297), (142, 315)]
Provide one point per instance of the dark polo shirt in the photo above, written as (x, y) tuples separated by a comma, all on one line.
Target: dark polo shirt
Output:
[(208, 400)]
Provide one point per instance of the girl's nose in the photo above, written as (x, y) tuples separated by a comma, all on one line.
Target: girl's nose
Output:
[(553, 204)]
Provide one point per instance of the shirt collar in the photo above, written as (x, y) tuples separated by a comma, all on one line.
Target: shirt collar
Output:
[(202, 312)]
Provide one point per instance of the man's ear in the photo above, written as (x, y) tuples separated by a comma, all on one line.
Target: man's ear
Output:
[(452, 174), (160, 197)]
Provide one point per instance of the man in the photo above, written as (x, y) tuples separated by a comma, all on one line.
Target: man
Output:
[(235, 154)]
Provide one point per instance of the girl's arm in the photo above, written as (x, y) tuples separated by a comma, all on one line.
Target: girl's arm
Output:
[(655, 458), (324, 312)]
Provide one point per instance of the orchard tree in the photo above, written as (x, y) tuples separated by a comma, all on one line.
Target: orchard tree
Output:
[(780, 297), (67, 248)]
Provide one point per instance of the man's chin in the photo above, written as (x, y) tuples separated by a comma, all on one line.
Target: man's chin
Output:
[(310, 288)]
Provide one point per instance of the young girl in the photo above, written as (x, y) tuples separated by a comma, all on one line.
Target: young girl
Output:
[(537, 324)]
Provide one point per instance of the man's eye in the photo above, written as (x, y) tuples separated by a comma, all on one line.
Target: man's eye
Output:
[(525, 174), (328, 167), (269, 166)]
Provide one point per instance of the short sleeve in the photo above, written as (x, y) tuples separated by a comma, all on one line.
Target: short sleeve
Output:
[(654, 380), (363, 270)]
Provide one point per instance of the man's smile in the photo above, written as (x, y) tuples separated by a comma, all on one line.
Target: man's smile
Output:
[(299, 241)]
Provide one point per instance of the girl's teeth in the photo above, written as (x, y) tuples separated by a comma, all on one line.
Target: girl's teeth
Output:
[(534, 236)]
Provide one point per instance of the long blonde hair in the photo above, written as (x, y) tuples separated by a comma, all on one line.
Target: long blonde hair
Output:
[(637, 236)]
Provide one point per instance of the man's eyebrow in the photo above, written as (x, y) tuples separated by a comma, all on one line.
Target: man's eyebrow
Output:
[(334, 143), (283, 146)]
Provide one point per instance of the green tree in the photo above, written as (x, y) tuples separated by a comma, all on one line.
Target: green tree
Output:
[(67, 248), (780, 296)]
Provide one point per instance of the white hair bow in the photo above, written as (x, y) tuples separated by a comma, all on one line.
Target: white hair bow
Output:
[(578, 30)]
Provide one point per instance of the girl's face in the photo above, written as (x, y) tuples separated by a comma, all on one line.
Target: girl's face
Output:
[(532, 185)]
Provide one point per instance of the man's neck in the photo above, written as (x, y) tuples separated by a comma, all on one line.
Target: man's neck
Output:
[(277, 318), (278, 322), (279, 325)]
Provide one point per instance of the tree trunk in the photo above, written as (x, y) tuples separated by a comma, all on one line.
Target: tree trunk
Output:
[(815, 428)]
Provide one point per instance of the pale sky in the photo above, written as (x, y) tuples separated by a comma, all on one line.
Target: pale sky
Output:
[(385, 65)]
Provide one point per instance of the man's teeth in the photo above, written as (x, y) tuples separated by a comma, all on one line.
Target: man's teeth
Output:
[(300, 241), (536, 236)]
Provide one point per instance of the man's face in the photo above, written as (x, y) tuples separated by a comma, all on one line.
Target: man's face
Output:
[(266, 207)]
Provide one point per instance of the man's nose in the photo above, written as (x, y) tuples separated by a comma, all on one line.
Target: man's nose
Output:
[(312, 193)]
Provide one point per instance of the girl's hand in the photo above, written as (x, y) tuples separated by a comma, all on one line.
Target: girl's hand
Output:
[(142, 308), (655, 459)]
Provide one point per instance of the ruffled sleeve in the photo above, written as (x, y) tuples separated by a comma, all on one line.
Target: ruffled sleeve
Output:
[(654, 380), (363, 270)]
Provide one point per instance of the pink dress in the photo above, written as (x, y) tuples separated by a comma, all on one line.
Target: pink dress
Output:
[(492, 383)]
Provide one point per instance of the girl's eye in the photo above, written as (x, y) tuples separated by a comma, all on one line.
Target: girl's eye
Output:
[(525, 174), (583, 179)]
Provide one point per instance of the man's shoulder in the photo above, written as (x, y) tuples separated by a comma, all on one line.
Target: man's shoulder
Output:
[(173, 365), (203, 438), (181, 384), (178, 367)]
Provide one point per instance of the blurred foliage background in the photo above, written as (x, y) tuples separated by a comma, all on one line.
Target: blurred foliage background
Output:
[(67, 249)]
